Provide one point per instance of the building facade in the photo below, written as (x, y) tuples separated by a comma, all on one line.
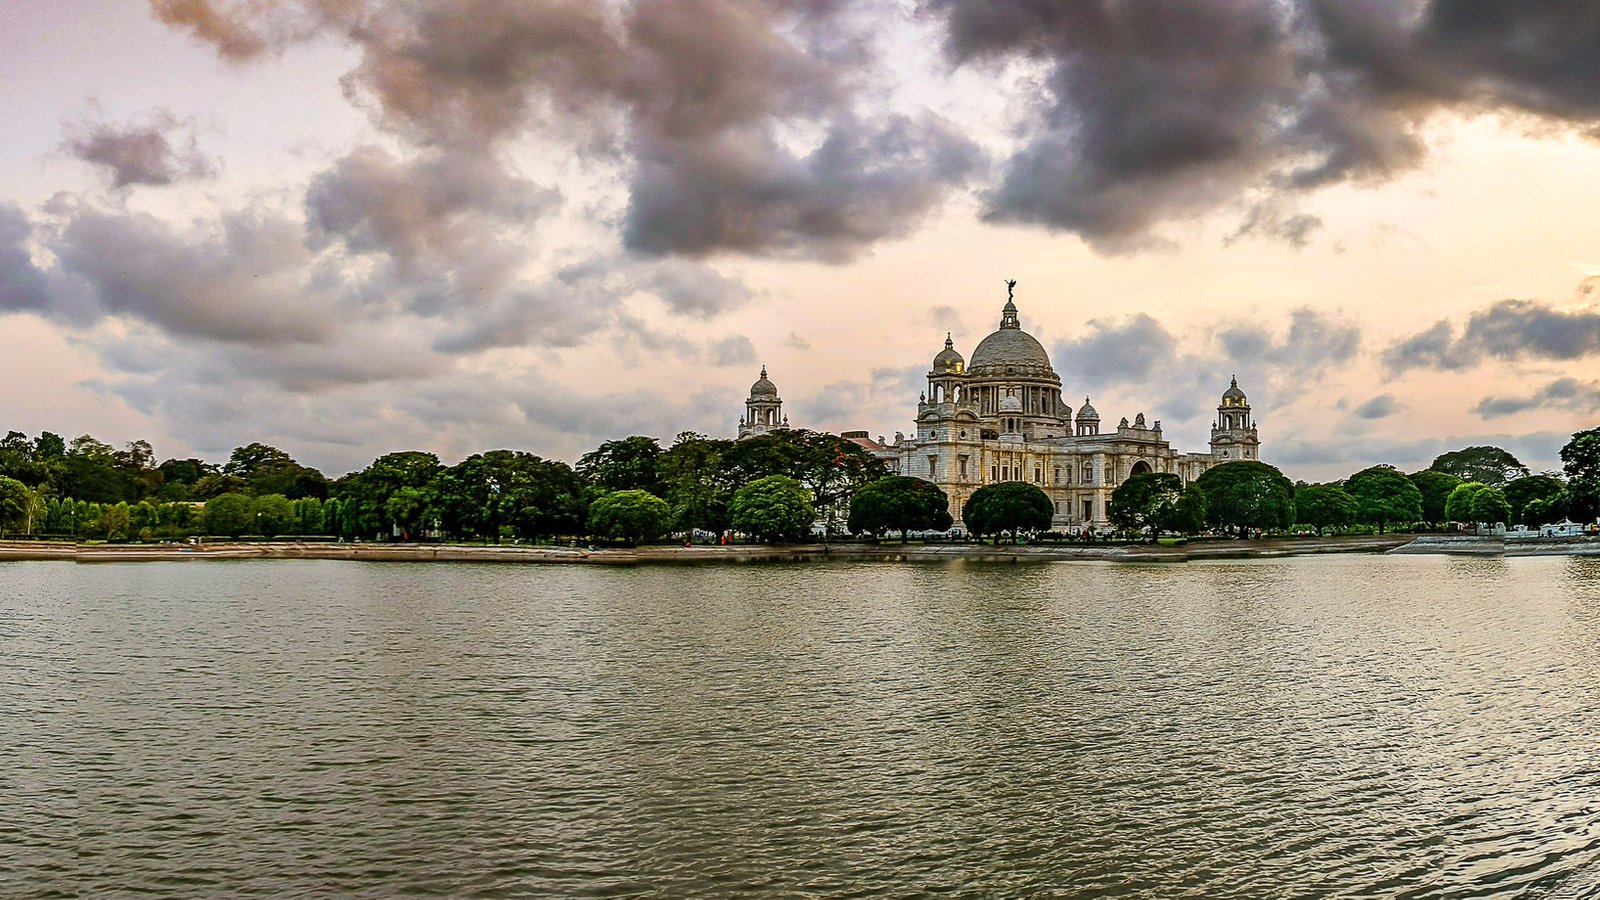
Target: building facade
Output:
[(1002, 417)]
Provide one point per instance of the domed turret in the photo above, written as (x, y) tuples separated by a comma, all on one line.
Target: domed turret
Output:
[(1011, 403), (763, 387), (763, 411), (948, 361), (1233, 396), (1088, 420)]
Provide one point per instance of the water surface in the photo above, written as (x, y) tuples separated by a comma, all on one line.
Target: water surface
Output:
[(1356, 725)]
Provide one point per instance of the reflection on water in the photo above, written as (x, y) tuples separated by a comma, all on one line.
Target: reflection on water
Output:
[(1336, 726)]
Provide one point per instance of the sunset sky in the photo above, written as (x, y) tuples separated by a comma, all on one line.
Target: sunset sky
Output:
[(344, 227)]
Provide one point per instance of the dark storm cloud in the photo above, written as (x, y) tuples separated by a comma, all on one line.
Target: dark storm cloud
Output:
[(1568, 394), (1166, 109), (159, 151), (754, 126), (23, 286), (1379, 407), (1507, 330)]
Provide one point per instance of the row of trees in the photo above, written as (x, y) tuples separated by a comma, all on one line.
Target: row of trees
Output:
[(774, 486)]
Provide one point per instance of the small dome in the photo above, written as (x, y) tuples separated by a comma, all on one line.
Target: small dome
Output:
[(1087, 413), (1011, 403), (763, 387), (948, 361), (1233, 393)]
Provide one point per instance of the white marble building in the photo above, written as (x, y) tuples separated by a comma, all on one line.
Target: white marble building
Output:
[(1001, 417)]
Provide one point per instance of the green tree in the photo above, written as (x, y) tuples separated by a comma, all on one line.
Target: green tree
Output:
[(831, 467), (697, 487), (773, 508), (1489, 507), (1008, 506), (229, 514), (274, 515), (1522, 491), (90, 472), (1146, 500), (1485, 465), (1384, 496), (633, 516), (1539, 512), (114, 521), (1246, 494), (899, 503), (1459, 506), (1188, 515), (1435, 488), (1580, 460), (623, 465), (16, 501), (408, 509), (1326, 506)]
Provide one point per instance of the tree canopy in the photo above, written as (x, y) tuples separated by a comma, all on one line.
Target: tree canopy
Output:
[(1384, 496), (1247, 494), (1580, 460), (899, 503), (1435, 488), (1520, 493), (773, 508), (1008, 506), (1486, 465), (634, 516), (1325, 506), (1145, 501)]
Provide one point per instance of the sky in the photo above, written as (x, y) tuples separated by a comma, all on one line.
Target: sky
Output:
[(347, 227)]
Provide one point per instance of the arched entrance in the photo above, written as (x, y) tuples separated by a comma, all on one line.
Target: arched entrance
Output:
[(1139, 468)]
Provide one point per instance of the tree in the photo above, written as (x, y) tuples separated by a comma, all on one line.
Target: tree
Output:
[(1326, 506), (114, 520), (1580, 460), (1458, 508), (274, 515), (1435, 488), (624, 465), (1489, 506), (488, 491), (1008, 506), (831, 467), (407, 509), (229, 514), (1188, 515), (1145, 501), (16, 503), (1383, 496), (1247, 494), (633, 516), (1539, 512), (773, 508), (90, 472), (697, 487), (1523, 491), (1485, 465), (899, 503)]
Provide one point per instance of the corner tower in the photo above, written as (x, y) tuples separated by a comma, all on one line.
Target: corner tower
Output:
[(763, 411), (1233, 435)]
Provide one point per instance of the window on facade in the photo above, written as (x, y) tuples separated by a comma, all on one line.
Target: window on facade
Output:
[(962, 462), (1088, 510), (933, 465), (1088, 473), (994, 473), (1038, 475), (1058, 475)]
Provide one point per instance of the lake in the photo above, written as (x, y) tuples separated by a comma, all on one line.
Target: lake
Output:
[(1320, 726)]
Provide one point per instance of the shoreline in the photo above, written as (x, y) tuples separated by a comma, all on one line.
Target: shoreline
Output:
[(699, 554), (1454, 545)]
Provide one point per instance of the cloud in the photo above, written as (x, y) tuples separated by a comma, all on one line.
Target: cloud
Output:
[(694, 289), (1163, 111), (248, 279), (1115, 351), (1267, 220), (1508, 330), (1379, 407), (796, 342), (159, 151), (1312, 341), (23, 286), (1567, 394)]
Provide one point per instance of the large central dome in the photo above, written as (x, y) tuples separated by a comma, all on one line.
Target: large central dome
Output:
[(1010, 350)]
